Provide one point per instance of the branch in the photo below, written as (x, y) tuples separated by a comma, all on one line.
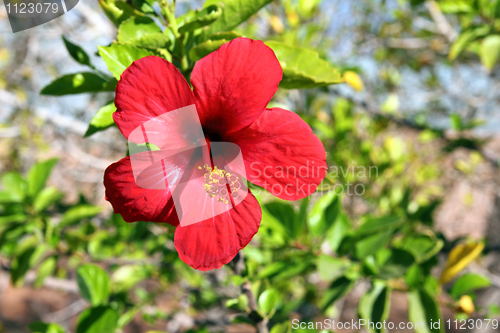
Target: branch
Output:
[(407, 43), (443, 25), (374, 111), (238, 265)]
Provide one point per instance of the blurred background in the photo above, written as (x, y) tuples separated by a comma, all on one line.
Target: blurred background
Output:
[(420, 105)]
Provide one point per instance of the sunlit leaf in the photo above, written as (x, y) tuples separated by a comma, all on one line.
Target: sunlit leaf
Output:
[(323, 214), (94, 284), (397, 264), (374, 306), (25, 261), (77, 213), (286, 215), (118, 11), (45, 269), (422, 309), (268, 301), (118, 57), (490, 51), (97, 319), (39, 327), (201, 18), (469, 282), (136, 27), (234, 12), (15, 187), (46, 197), (371, 244), (331, 268), (303, 68), (336, 291), (38, 175), (467, 36), (128, 276), (102, 120), (77, 53), (205, 48), (76, 84), (374, 225)]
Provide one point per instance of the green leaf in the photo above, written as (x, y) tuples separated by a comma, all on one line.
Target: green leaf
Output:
[(268, 301), (234, 12), (45, 269), (118, 57), (379, 224), (126, 277), (331, 268), (153, 42), (136, 27), (127, 317), (14, 187), (118, 11), (227, 35), (94, 284), (338, 231), (285, 327), (77, 213), (40, 327), (414, 276), (456, 6), (336, 291), (303, 68), (371, 244), (397, 264), (77, 53), (26, 260), (466, 37), (75, 84), (456, 122), (201, 18), (97, 320), (374, 306), (13, 218), (468, 282), (205, 48), (9, 197), (422, 308), (145, 6), (46, 197), (38, 175), (102, 120), (323, 214), (490, 51), (285, 214), (422, 246)]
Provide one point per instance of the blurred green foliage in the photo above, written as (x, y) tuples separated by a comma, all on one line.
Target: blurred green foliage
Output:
[(306, 255)]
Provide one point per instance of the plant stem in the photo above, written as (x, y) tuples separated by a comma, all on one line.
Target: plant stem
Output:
[(246, 288)]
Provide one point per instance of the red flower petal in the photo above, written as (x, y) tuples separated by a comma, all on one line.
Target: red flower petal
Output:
[(216, 241), (135, 203), (234, 84), (282, 154), (150, 87)]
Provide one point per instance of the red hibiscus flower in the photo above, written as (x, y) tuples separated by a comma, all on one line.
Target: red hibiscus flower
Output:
[(231, 90)]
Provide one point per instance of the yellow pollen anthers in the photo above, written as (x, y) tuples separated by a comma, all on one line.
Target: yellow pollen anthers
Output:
[(216, 181)]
